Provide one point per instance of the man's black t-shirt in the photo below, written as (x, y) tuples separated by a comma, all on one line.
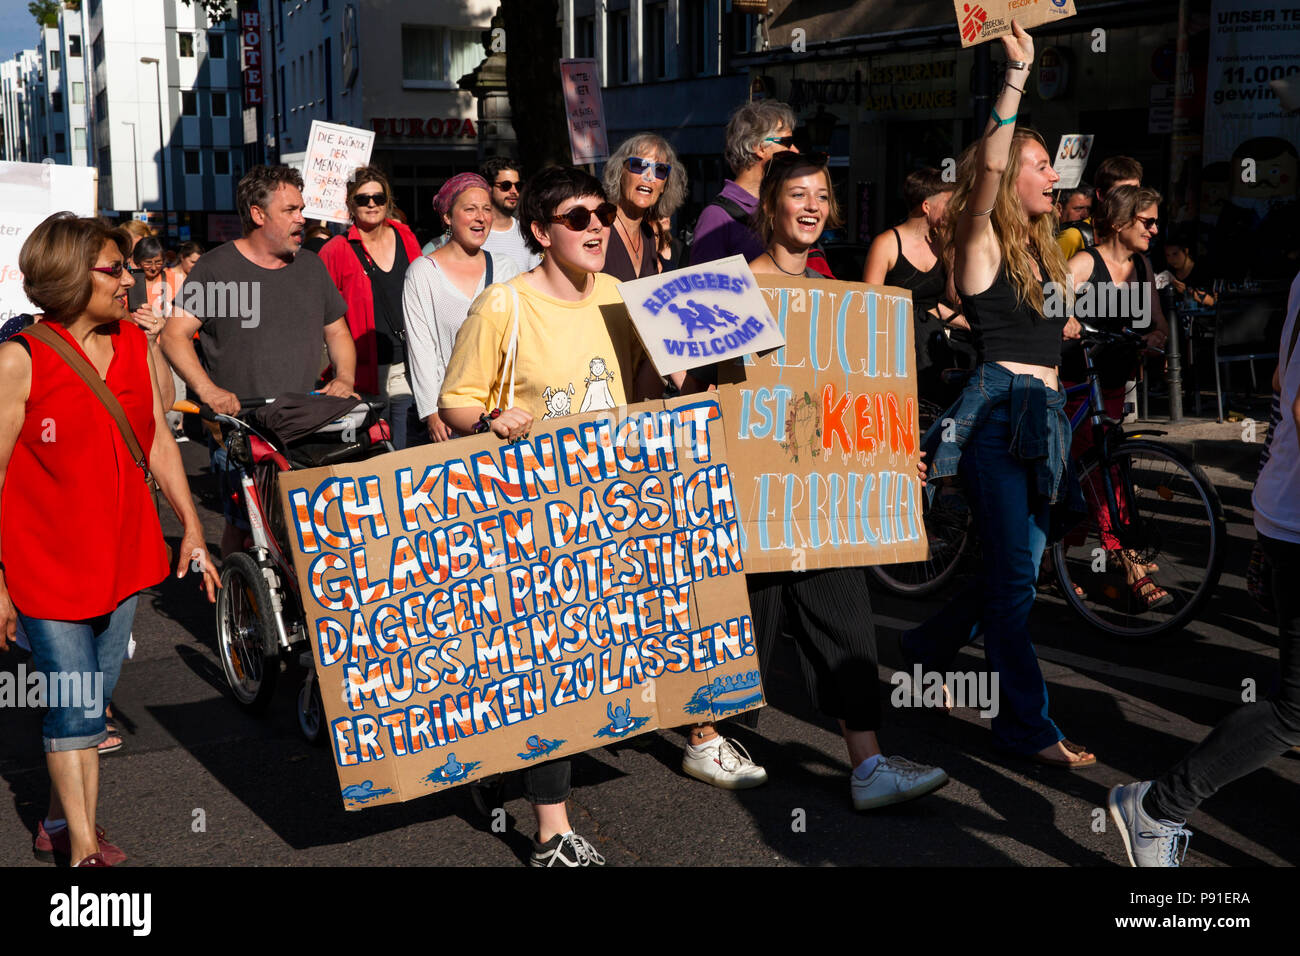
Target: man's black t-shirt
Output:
[(261, 328)]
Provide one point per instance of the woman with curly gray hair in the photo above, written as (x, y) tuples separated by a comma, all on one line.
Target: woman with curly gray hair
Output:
[(646, 181)]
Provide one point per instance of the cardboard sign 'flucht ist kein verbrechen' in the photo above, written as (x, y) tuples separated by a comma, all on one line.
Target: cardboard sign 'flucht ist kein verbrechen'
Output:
[(982, 20), (476, 607), (822, 433), (700, 315)]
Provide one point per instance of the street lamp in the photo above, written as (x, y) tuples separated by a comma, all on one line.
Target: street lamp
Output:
[(135, 163), (162, 143)]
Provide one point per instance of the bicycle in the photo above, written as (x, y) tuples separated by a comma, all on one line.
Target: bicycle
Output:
[(260, 619), (1159, 507)]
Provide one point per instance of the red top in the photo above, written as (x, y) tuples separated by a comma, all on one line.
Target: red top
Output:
[(354, 285), (79, 532)]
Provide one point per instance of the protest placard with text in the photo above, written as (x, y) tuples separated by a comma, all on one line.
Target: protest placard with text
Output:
[(982, 20), (1072, 158), (333, 154), (584, 111), (29, 194), (476, 607), (700, 314), (822, 433)]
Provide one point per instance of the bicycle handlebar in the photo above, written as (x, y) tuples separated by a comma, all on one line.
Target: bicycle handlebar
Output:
[(208, 414)]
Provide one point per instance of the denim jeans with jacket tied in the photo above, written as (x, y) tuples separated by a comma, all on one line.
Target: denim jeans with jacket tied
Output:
[(1009, 441)]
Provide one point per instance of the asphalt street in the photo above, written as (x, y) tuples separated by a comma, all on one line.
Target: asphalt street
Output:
[(199, 783)]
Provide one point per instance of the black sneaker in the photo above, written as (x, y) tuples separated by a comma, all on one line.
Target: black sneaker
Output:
[(567, 850)]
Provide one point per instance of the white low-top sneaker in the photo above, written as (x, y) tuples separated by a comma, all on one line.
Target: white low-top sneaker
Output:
[(1147, 841), (723, 763), (895, 780)]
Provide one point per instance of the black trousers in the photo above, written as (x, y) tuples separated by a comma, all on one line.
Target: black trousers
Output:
[(1252, 735), (828, 613)]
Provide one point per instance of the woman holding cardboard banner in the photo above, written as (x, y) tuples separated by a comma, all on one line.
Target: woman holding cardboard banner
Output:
[(83, 440), (1012, 436), (527, 342), (834, 634)]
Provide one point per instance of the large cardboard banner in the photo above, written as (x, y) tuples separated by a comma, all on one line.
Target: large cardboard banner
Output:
[(333, 154), (822, 433), (29, 194), (476, 607), (700, 314), (982, 20)]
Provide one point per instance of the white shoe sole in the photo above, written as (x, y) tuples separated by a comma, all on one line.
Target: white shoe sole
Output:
[(1118, 816), (893, 798), (744, 783)]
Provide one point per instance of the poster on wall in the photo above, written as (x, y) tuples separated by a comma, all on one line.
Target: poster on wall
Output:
[(29, 194), (1251, 151)]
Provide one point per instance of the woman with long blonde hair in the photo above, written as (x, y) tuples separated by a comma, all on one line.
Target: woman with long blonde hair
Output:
[(1011, 435)]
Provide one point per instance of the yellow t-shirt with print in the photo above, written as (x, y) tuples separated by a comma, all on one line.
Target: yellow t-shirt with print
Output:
[(571, 356)]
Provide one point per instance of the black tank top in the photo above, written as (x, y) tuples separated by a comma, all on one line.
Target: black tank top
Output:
[(926, 289), (1007, 330), (1104, 294)]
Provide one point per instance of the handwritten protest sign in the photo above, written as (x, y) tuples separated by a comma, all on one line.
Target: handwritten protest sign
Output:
[(1071, 158), (475, 607), (333, 154), (585, 111), (984, 20), (29, 194), (822, 433), (701, 314)]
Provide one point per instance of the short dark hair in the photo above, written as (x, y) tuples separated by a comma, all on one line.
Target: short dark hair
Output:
[(546, 191), (921, 184), (492, 168), (1115, 168), (370, 174), (258, 186), (147, 248), (57, 258), (1120, 207), (1065, 195), (188, 249)]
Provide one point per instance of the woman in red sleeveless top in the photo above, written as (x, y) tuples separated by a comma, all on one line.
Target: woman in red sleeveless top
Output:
[(79, 534)]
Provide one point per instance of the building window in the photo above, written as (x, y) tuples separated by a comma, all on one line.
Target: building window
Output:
[(219, 103), (656, 41), (78, 93), (221, 164), (191, 162), (584, 38), (695, 36), (60, 143), (186, 41), (616, 52), (101, 106), (97, 49), (217, 46), (438, 56), (56, 101), (742, 32), (74, 44), (54, 60), (104, 162), (78, 137), (189, 103)]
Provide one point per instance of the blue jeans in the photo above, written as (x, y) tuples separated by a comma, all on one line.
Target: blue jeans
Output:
[(84, 652), (1012, 518), (405, 423), (228, 475)]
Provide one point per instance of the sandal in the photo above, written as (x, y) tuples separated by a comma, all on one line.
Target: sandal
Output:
[(106, 746), (1059, 764), (1156, 597)]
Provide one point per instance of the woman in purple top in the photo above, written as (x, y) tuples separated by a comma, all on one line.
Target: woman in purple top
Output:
[(755, 133)]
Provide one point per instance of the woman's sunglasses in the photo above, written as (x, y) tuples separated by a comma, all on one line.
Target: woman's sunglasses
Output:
[(1147, 222), (579, 217), (786, 141), (115, 270), (637, 166), (370, 199)]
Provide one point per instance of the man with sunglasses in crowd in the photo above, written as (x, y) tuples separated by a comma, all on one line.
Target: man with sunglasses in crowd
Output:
[(755, 133)]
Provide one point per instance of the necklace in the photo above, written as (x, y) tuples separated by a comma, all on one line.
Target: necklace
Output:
[(635, 249), (778, 265)]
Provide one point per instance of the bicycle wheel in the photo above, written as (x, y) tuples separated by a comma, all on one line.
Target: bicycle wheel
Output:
[(245, 621), (1172, 519), (947, 531)]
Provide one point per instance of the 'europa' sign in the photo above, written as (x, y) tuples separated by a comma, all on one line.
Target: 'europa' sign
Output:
[(700, 315)]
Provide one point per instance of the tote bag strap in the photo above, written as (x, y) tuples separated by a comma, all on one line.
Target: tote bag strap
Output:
[(507, 389)]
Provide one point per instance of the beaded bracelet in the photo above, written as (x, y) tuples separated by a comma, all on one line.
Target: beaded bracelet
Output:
[(485, 421)]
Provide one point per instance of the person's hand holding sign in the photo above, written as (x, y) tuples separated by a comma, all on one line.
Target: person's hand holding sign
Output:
[(512, 424), (1019, 47)]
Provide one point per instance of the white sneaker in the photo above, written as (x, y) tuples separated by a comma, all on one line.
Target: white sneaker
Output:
[(895, 780), (723, 763), (1147, 841)]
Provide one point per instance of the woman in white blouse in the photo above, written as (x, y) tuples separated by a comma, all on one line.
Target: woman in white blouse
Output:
[(440, 287)]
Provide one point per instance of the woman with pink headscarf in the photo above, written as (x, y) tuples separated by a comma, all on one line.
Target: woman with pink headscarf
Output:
[(440, 287)]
